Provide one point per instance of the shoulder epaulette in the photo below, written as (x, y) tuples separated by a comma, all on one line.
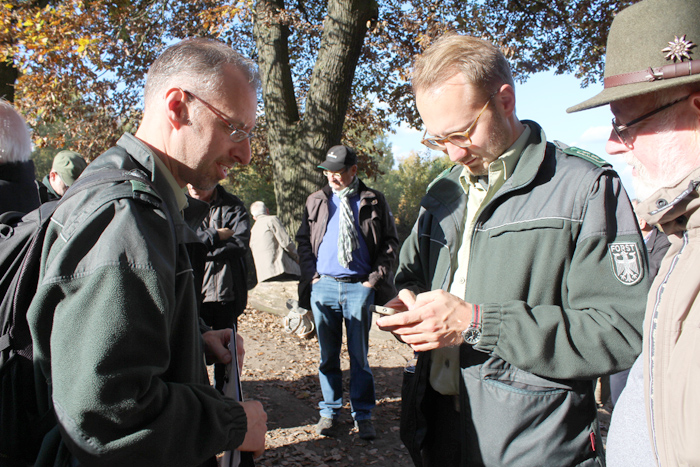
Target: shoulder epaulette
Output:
[(442, 175), (144, 191), (585, 155)]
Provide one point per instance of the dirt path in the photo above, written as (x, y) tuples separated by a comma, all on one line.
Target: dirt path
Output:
[(281, 372)]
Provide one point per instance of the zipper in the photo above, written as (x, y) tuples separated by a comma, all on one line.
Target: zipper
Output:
[(653, 325)]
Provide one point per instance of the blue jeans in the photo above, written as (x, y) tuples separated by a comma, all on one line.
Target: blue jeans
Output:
[(332, 303)]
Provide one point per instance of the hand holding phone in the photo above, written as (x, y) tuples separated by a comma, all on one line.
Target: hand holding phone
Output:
[(382, 310)]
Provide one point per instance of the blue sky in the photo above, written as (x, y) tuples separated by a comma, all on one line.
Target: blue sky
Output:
[(544, 98)]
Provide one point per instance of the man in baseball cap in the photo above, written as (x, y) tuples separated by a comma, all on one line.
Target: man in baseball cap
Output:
[(348, 248), (338, 158), (652, 83), (66, 168)]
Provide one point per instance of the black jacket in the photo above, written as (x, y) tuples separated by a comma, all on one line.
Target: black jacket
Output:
[(18, 188), (225, 269)]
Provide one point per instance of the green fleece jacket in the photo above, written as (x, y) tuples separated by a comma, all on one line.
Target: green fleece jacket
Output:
[(116, 333), (558, 266)]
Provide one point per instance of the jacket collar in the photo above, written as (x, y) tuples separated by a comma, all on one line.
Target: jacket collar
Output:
[(145, 157), (445, 199), (47, 183), (446, 190), (141, 153), (672, 208), (531, 158)]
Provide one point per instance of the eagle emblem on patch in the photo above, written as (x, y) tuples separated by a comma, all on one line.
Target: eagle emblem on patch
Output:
[(626, 262)]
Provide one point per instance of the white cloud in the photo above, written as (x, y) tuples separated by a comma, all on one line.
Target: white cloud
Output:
[(404, 141)]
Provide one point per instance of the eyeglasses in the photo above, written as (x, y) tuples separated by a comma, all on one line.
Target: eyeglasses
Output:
[(459, 138), (339, 174), (237, 135), (622, 130)]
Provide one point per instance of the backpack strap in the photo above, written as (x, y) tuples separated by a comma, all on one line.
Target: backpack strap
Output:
[(139, 187)]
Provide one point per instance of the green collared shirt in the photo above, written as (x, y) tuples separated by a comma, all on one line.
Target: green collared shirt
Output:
[(444, 370)]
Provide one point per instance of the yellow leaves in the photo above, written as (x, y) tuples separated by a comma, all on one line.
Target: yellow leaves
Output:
[(83, 43), (217, 20)]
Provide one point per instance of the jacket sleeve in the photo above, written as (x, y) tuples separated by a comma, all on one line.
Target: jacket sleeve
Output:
[(128, 381), (386, 251), (598, 330), (235, 217), (283, 238), (412, 273), (307, 258)]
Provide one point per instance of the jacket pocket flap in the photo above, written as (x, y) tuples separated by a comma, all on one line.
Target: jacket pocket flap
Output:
[(520, 226)]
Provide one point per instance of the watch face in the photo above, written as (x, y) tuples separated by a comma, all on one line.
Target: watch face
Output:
[(472, 336)]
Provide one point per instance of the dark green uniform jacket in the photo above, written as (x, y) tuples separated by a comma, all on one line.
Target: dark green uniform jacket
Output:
[(116, 333), (558, 266)]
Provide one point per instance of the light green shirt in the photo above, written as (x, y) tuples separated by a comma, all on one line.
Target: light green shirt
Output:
[(444, 369)]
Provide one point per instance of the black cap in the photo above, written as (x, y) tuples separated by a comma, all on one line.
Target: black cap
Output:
[(339, 157)]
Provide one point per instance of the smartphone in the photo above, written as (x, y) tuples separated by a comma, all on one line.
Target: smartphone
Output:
[(382, 310)]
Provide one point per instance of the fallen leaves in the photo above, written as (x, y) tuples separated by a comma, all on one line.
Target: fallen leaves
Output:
[(281, 372)]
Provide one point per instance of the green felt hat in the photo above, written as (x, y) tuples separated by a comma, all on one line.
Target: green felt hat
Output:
[(652, 45), (69, 165)]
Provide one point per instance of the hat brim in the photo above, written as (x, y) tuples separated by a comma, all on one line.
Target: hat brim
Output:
[(631, 90), (332, 166)]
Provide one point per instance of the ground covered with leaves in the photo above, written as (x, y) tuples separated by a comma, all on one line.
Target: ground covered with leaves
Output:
[(281, 372)]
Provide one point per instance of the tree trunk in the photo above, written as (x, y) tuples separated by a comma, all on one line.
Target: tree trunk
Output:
[(297, 145)]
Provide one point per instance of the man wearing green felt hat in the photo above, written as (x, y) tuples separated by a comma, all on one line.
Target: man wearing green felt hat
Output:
[(652, 83), (66, 168)]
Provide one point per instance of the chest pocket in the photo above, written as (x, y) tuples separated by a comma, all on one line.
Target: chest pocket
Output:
[(524, 226)]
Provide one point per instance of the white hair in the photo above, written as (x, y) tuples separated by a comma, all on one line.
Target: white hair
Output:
[(257, 208), (15, 142)]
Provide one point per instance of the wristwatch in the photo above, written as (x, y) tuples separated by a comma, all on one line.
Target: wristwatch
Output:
[(472, 335)]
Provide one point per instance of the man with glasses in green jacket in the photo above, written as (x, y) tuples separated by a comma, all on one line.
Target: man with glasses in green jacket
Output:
[(523, 278), (115, 320)]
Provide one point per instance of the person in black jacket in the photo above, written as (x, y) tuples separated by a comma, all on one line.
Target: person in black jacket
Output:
[(225, 232), (18, 188)]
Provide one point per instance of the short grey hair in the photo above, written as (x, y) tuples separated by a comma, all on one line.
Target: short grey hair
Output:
[(15, 140), (198, 64), (258, 208), (480, 62)]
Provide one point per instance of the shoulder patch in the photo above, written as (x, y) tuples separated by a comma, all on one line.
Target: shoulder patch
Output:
[(587, 155), (626, 262), (442, 175)]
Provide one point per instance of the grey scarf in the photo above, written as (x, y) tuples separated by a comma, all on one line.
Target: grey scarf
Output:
[(347, 235)]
